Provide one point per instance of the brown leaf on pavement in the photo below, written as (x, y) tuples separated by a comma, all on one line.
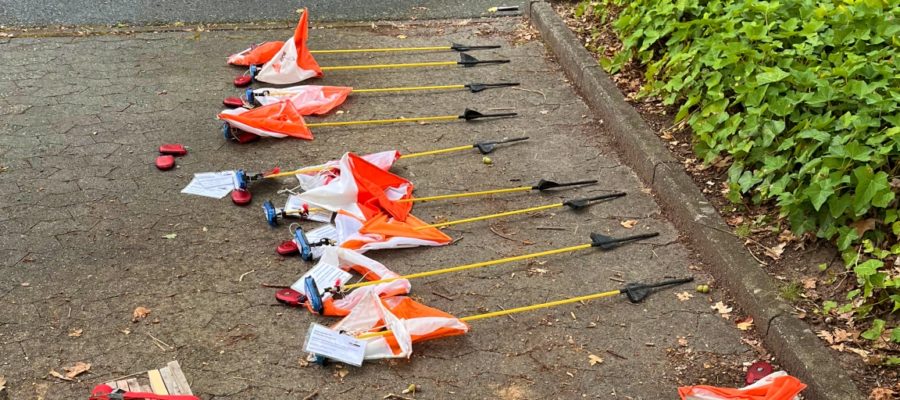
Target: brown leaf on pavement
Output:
[(684, 296), (723, 310), (139, 314), (809, 283), (76, 332), (594, 360), (744, 324), (775, 252), (77, 369), (60, 376), (826, 336), (630, 223)]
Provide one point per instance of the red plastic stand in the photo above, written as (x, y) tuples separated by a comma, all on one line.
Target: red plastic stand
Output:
[(241, 197), (173, 150), (757, 371), (287, 248), (243, 81), (165, 163), (233, 102)]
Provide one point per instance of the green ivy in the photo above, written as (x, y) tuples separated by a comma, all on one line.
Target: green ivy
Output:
[(803, 95)]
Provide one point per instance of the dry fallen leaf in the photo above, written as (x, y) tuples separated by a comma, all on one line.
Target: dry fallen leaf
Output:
[(401, 36), (826, 336), (594, 360), (842, 335), (139, 314), (684, 296), (628, 223), (76, 332), (809, 283), (125, 331), (2, 383), (59, 375), (776, 251), (77, 369), (881, 394), (170, 236), (735, 220), (682, 341), (723, 310), (744, 324), (863, 226)]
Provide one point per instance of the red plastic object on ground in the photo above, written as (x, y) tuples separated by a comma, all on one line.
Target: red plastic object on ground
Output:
[(241, 197), (287, 248), (758, 370), (233, 102), (243, 81), (245, 137), (105, 392), (172, 150), (165, 163), (290, 297)]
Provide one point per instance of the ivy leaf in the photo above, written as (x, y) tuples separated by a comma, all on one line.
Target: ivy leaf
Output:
[(818, 193), (771, 75), (875, 331)]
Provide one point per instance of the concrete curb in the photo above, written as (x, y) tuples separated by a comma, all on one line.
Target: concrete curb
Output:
[(789, 339)]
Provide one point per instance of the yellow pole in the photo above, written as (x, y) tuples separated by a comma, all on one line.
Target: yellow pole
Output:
[(466, 194), (515, 310), (381, 50), (383, 121), (470, 266), (402, 65), (489, 216), (379, 90), (410, 155), (409, 89)]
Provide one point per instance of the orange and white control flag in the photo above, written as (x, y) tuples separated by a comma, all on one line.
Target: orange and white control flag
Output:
[(278, 120), (775, 386), (408, 320), (383, 231), (362, 189), (293, 62), (307, 99), (257, 54)]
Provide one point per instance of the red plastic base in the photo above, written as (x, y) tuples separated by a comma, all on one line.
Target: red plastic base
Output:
[(245, 137), (287, 248), (241, 197), (289, 297), (165, 163), (243, 81), (757, 371), (173, 150), (233, 102)]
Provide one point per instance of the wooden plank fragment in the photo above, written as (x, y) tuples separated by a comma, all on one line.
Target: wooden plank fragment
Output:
[(111, 384), (156, 382), (133, 385), (145, 388), (180, 379), (169, 380), (121, 384)]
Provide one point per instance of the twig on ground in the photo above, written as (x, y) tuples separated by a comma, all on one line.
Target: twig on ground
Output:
[(241, 278)]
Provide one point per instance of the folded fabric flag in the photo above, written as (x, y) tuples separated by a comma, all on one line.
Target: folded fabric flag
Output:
[(775, 386)]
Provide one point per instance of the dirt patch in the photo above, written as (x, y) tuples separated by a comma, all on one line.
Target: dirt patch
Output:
[(810, 270)]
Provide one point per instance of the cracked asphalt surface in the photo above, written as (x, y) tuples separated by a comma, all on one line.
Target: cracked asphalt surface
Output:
[(83, 213)]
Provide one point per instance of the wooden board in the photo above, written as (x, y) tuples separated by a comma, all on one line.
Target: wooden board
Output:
[(166, 380), (180, 379), (156, 382)]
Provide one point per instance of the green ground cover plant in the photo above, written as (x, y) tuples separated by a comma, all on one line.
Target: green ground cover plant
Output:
[(803, 98)]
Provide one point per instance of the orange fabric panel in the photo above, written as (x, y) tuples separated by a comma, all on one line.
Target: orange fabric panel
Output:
[(256, 55), (280, 118), (305, 59), (335, 95), (371, 182), (383, 224), (782, 388)]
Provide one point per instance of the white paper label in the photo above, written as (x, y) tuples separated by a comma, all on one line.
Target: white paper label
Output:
[(212, 184), (325, 276), (329, 343)]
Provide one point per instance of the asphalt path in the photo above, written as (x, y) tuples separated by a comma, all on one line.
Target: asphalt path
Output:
[(148, 12)]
